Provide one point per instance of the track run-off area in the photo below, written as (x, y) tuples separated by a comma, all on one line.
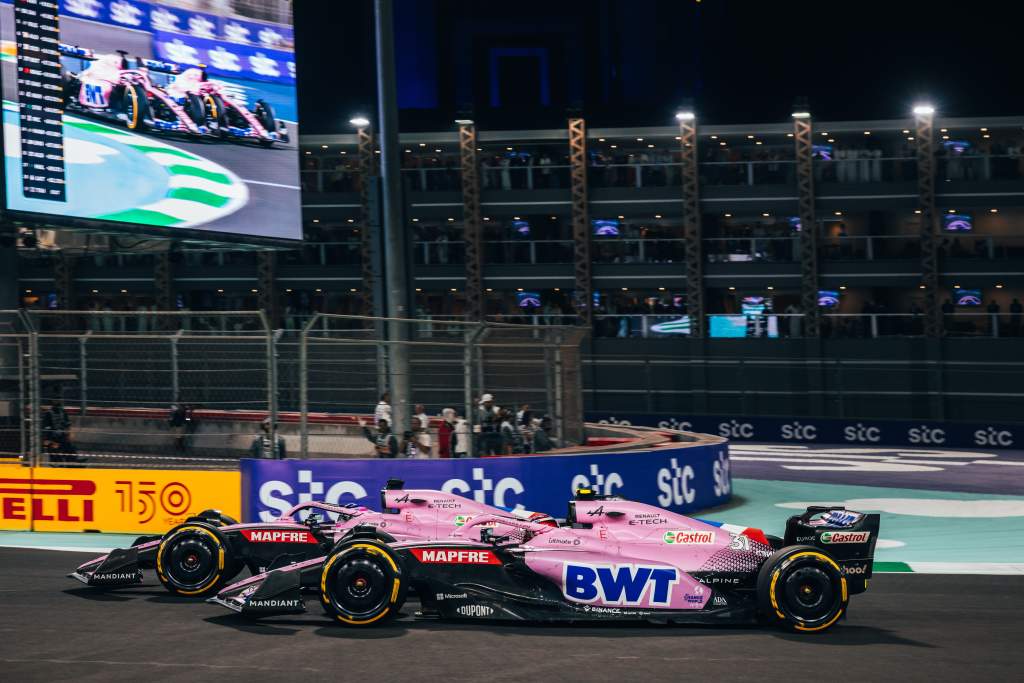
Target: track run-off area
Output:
[(945, 601)]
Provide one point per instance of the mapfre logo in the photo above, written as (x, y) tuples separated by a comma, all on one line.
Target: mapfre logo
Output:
[(60, 500), (454, 556), (277, 536)]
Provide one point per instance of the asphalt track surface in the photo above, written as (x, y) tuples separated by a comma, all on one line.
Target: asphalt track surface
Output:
[(270, 174), (906, 627)]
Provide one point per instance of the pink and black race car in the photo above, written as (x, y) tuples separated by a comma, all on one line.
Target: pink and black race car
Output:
[(613, 560), (110, 86), (198, 557)]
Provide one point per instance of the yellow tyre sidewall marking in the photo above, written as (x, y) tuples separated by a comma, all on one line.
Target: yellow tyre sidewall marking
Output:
[(212, 104), (373, 550), (133, 124), (220, 559), (778, 572)]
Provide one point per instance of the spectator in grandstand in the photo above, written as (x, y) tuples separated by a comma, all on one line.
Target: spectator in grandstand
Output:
[(542, 441), (445, 433), (385, 445), (265, 446), (421, 415), (178, 426), (510, 437), (383, 409)]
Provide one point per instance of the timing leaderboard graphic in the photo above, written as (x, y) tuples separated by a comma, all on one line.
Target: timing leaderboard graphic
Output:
[(152, 114)]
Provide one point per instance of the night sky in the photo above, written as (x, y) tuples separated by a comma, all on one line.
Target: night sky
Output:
[(740, 61)]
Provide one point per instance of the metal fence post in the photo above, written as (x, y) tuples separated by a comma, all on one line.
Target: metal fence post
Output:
[(83, 372), (25, 446), (175, 380), (35, 409), (556, 415), (304, 387)]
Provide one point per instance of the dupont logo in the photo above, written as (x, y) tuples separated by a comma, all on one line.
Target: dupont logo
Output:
[(833, 537), (277, 536), (689, 537), (475, 610), (62, 500), (454, 556)]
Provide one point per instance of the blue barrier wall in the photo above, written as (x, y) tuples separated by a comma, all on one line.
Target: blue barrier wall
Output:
[(676, 478), (832, 431)]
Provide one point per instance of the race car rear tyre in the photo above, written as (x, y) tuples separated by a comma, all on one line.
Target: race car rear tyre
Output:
[(193, 560), (136, 107), (216, 114), (362, 583), (265, 115), (802, 589)]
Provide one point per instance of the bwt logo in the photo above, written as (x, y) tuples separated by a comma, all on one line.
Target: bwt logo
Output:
[(677, 425), (736, 430), (485, 486), (628, 585), (926, 434), (993, 437), (799, 432), (674, 484), (275, 494), (601, 483), (861, 434), (60, 500)]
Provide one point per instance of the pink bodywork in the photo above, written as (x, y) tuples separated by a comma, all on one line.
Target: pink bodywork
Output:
[(193, 82), (631, 541)]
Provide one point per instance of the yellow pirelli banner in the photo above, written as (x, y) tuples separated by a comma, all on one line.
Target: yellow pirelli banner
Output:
[(127, 501)]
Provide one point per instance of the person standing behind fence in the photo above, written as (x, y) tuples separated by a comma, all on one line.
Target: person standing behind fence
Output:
[(461, 438), (385, 445), (264, 447), (416, 442), (421, 415), (445, 432), (487, 420), (383, 409)]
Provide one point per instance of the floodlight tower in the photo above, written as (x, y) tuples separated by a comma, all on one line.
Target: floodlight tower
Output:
[(691, 221), (808, 224)]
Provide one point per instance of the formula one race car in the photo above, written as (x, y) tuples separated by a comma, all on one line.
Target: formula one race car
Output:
[(198, 557), (225, 116), (614, 560), (107, 86)]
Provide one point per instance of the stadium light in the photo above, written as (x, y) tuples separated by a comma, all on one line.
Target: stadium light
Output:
[(801, 115), (685, 116), (464, 122), (924, 109), (359, 121)]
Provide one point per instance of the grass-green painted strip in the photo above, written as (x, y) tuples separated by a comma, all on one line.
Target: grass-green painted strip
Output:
[(200, 173), (195, 195), (142, 216), (891, 567)]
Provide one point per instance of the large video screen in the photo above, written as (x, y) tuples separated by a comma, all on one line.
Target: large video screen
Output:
[(169, 114)]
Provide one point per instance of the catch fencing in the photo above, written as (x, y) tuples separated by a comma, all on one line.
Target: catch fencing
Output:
[(201, 390)]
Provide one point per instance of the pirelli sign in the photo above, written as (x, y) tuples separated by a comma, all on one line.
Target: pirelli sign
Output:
[(130, 501)]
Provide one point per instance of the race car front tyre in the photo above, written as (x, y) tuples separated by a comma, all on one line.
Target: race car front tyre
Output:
[(71, 87), (362, 583), (216, 113), (193, 560), (265, 115), (196, 109), (136, 107), (801, 589)]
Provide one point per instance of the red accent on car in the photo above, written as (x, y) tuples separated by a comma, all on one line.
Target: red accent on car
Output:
[(455, 556), (278, 536)]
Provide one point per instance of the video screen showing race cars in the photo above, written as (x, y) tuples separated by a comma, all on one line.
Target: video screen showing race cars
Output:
[(154, 113)]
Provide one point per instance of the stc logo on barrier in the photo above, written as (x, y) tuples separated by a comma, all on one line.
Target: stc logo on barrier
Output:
[(859, 433), (59, 500), (795, 431), (674, 484), (485, 486), (926, 435), (993, 437), (678, 425), (603, 484), (736, 430)]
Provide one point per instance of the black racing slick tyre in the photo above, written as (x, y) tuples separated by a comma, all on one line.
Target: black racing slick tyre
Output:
[(362, 583), (136, 107), (193, 560), (801, 588), (196, 109), (265, 115)]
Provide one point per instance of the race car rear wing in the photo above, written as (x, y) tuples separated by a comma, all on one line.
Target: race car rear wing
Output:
[(75, 51), (849, 537)]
